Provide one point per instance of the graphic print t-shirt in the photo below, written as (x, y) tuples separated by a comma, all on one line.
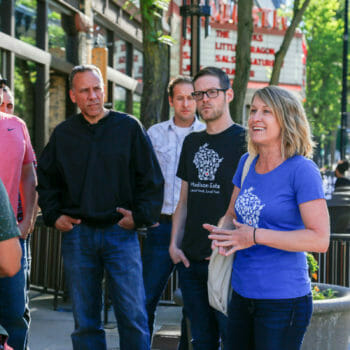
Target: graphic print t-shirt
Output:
[(271, 201), (207, 164)]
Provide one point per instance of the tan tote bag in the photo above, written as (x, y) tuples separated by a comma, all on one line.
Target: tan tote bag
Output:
[(220, 268)]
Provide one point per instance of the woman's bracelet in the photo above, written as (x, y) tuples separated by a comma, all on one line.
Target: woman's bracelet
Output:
[(255, 228)]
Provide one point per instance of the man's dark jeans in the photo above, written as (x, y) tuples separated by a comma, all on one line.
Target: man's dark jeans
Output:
[(87, 252), (157, 266), (208, 326)]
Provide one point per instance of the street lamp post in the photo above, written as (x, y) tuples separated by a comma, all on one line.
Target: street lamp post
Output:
[(344, 114), (195, 11)]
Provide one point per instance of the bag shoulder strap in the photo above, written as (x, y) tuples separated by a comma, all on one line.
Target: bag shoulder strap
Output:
[(246, 167)]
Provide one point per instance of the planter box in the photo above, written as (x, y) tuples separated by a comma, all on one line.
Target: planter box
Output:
[(330, 324)]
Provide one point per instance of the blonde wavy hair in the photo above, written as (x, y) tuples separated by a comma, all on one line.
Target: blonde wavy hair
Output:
[(290, 114)]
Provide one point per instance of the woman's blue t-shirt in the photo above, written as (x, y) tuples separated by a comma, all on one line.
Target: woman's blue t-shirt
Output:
[(272, 201)]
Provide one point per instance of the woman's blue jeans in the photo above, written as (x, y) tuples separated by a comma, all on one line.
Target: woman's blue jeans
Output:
[(267, 324), (88, 251)]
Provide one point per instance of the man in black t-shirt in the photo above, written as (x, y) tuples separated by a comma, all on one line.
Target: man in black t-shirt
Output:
[(207, 164)]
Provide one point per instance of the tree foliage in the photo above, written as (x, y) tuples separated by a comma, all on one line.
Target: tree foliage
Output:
[(323, 31), (25, 78), (25, 73), (155, 61), (244, 36), (299, 8)]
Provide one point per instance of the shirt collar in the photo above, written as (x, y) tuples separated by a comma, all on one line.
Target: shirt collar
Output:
[(173, 126), (100, 122)]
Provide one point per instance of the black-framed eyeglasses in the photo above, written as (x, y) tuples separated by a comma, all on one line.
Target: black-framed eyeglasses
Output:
[(211, 93), (3, 82)]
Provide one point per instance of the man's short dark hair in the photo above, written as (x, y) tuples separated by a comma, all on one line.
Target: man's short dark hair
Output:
[(81, 69), (215, 72), (343, 166), (178, 80)]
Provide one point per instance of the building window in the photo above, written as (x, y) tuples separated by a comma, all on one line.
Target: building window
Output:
[(57, 35), (100, 36), (120, 55), (25, 78), (120, 99), (136, 106), (25, 18), (137, 65), (58, 98)]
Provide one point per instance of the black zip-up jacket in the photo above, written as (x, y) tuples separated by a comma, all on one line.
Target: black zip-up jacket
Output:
[(88, 170)]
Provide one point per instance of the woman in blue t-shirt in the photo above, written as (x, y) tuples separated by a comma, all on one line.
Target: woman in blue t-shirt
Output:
[(279, 213)]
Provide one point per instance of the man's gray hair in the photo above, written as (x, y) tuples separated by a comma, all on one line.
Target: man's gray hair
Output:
[(81, 69)]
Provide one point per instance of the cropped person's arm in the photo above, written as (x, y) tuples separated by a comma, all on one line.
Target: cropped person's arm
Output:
[(178, 227), (28, 197), (10, 249), (10, 257)]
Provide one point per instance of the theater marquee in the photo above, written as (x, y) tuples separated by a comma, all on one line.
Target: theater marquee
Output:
[(219, 49)]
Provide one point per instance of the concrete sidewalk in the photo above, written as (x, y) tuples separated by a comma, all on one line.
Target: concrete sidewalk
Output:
[(50, 330)]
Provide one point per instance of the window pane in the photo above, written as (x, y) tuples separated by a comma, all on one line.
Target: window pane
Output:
[(58, 100), (136, 106), (25, 17), (119, 99), (57, 35), (100, 36), (120, 55), (25, 78), (137, 65)]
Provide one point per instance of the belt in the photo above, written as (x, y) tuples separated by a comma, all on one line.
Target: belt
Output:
[(165, 218)]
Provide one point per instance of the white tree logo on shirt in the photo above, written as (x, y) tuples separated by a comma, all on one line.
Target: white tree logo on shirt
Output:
[(207, 162), (249, 207)]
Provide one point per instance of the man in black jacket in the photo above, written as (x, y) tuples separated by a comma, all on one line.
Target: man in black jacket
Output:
[(99, 180)]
